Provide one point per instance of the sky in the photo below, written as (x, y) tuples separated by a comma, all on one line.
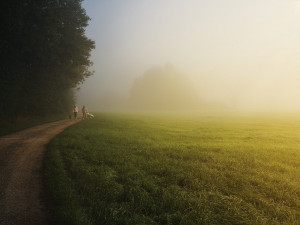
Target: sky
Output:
[(244, 54)]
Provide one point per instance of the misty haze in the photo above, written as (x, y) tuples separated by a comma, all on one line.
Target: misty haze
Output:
[(153, 112), (161, 88), (240, 55)]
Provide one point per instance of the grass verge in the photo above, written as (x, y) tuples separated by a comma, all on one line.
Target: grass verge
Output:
[(13, 125), (151, 169)]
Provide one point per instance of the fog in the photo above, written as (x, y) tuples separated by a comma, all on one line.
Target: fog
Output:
[(191, 55)]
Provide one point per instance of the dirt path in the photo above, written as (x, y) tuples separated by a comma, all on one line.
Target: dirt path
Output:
[(21, 189)]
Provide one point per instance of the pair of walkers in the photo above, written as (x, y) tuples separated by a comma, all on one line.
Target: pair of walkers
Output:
[(84, 111)]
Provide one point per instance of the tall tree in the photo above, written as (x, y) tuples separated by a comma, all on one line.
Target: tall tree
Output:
[(44, 55)]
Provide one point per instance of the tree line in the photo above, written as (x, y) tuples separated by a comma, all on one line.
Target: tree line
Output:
[(44, 56)]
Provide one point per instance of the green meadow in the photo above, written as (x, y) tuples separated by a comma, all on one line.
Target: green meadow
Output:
[(176, 169)]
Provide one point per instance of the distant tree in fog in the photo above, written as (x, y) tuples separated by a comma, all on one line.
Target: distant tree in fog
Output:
[(163, 88)]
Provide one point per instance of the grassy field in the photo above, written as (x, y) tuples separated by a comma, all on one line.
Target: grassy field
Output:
[(168, 169)]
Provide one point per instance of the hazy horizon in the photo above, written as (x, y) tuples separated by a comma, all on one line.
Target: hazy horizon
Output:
[(240, 54)]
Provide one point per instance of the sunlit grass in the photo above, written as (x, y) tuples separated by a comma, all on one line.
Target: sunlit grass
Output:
[(151, 169)]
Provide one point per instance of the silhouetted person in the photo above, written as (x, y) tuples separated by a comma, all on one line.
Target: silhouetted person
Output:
[(84, 111), (75, 111)]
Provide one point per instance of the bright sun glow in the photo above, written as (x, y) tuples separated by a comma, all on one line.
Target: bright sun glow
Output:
[(297, 3)]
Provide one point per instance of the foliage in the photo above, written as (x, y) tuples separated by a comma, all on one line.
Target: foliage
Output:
[(163, 88), (152, 169), (44, 55)]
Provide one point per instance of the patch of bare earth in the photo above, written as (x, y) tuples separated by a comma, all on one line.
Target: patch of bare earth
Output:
[(22, 197)]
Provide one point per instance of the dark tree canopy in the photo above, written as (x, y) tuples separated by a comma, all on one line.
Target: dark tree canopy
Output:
[(44, 55)]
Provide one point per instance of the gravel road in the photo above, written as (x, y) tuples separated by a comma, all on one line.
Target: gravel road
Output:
[(22, 197)]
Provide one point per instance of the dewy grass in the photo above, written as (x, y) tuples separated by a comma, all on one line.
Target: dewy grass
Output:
[(151, 169)]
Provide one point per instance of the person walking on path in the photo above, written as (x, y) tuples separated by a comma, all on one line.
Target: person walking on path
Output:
[(75, 111), (84, 111)]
